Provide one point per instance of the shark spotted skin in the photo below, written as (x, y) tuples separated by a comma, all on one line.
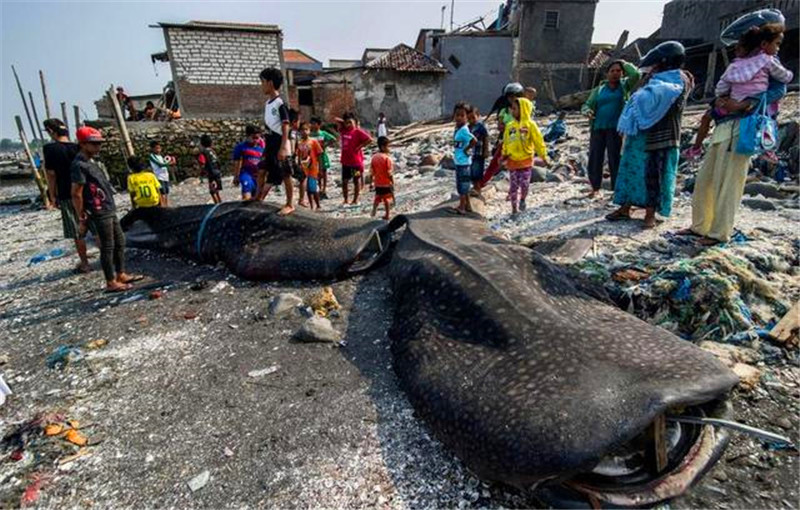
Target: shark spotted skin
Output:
[(512, 366), (522, 375), (256, 243)]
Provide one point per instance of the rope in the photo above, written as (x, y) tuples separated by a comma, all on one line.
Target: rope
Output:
[(202, 229)]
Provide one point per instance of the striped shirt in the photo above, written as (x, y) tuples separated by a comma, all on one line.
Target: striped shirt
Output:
[(749, 77)]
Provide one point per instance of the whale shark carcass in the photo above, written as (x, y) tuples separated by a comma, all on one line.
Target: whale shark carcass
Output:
[(527, 379), (255, 243)]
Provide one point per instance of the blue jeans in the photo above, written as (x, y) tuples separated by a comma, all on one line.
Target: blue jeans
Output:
[(463, 179)]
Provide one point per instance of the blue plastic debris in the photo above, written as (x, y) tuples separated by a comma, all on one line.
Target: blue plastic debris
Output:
[(64, 355), (44, 257), (684, 290)]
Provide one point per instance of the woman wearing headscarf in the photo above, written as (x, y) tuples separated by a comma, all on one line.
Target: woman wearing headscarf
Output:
[(651, 123), (603, 108)]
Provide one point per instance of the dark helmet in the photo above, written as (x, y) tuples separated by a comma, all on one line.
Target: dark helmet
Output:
[(735, 30), (670, 54), (513, 88)]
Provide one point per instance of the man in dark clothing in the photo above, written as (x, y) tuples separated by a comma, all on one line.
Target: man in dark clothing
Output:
[(58, 156), (93, 199)]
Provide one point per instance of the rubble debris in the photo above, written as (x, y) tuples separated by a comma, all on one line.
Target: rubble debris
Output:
[(264, 371), (4, 390), (199, 481), (317, 329), (220, 287), (787, 330), (284, 303), (55, 253), (324, 302), (96, 344), (63, 356)]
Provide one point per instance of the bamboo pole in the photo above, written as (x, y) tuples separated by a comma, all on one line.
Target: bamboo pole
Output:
[(24, 102), (65, 118), (120, 118), (36, 117), (44, 95), (77, 112), (40, 183)]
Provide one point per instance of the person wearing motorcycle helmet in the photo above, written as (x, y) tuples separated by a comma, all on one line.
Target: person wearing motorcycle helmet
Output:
[(651, 122)]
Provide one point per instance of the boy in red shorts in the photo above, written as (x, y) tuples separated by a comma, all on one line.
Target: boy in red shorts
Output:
[(381, 168)]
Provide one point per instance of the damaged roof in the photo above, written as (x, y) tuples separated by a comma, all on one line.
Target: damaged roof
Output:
[(406, 59)]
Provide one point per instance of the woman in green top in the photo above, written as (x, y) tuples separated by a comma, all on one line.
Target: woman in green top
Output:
[(603, 109)]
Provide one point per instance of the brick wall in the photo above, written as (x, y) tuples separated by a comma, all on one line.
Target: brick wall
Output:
[(217, 70)]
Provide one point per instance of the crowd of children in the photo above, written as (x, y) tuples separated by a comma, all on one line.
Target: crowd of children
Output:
[(291, 149)]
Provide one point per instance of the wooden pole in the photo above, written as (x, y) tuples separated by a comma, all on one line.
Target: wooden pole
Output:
[(36, 117), (40, 183), (44, 95), (24, 103), (65, 118), (120, 118), (710, 71), (77, 112)]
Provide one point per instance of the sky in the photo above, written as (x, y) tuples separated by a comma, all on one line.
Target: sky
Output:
[(83, 47)]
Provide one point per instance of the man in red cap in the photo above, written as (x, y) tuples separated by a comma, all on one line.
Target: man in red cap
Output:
[(93, 199)]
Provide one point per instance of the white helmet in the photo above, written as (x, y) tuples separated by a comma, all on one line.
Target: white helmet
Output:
[(513, 88)]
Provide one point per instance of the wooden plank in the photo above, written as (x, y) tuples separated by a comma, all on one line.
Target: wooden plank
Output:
[(44, 95), (708, 90), (786, 331), (24, 103), (37, 176)]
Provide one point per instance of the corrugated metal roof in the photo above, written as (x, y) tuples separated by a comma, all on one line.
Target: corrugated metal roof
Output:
[(406, 59)]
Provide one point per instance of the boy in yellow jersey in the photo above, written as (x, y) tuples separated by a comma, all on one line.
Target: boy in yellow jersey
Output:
[(142, 185)]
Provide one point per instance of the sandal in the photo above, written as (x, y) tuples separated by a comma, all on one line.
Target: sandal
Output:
[(708, 241), (686, 232), (133, 278), (121, 288), (618, 216)]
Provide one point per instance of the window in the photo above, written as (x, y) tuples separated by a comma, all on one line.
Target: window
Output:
[(551, 20), (390, 91), (454, 61)]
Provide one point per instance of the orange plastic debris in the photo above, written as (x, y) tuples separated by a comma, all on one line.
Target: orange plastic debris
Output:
[(75, 437), (53, 429), (97, 344)]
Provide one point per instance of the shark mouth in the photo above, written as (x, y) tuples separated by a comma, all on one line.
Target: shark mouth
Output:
[(660, 464)]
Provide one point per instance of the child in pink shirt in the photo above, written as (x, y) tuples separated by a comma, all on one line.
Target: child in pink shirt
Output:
[(747, 76)]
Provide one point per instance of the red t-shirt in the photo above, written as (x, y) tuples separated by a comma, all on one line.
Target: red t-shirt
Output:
[(308, 152), (352, 139), (381, 170)]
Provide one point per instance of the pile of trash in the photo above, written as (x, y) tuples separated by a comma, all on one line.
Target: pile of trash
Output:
[(733, 294)]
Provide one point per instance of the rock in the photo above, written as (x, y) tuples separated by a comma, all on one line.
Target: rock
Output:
[(191, 181), (426, 169), (759, 204), (199, 481), (448, 163), (429, 160), (284, 303), (219, 287), (538, 174), (440, 173), (555, 177), (317, 329), (765, 189), (784, 423), (264, 371), (749, 376)]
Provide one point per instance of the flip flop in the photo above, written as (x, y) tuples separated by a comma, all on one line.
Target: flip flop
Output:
[(123, 288), (134, 278), (617, 216), (686, 232)]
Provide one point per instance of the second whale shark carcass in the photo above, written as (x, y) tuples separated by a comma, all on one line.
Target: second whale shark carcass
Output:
[(528, 380), (531, 381), (256, 243)]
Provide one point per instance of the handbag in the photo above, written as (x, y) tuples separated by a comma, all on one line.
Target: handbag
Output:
[(758, 132)]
